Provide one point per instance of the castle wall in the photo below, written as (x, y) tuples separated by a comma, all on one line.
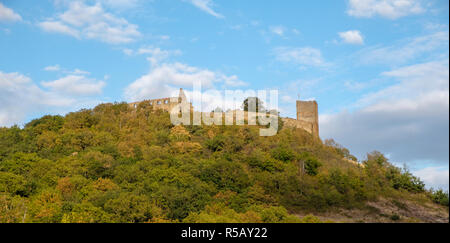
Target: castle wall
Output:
[(307, 112), (307, 116), (158, 104), (289, 122), (166, 104)]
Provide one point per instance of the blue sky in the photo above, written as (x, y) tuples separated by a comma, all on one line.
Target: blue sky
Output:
[(379, 69)]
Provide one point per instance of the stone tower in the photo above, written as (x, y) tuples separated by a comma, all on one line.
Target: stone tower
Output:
[(182, 96), (308, 115)]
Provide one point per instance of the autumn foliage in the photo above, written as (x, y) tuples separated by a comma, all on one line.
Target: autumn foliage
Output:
[(117, 164)]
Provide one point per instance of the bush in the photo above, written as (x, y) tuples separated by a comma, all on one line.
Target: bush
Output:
[(263, 161), (311, 164), (395, 217), (11, 183), (226, 176), (273, 214), (215, 144), (219, 213), (403, 179), (440, 197), (283, 153)]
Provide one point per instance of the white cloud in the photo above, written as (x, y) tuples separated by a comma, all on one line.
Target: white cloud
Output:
[(233, 81), (288, 99), (164, 37), (58, 68), (305, 56), (206, 6), (300, 89), (278, 30), (166, 78), (352, 37), (120, 4), (75, 85), (405, 50), (356, 86), (79, 72), (434, 177), (163, 79), (53, 68), (19, 96), (114, 4), (433, 26), (58, 27), (7, 14), (426, 80), (391, 9), (91, 22), (408, 120), (155, 54)]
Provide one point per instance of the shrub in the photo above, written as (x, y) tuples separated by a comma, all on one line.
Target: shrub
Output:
[(440, 197), (395, 217), (215, 144), (219, 213), (311, 165), (226, 175), (283, 153), (11, 183), (403, 179), (263, 161)]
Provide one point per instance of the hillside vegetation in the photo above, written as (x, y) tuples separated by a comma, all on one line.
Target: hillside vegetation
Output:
[(117, 164)]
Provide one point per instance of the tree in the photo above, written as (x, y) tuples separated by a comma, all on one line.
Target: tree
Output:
[(215, 144), (218, 110), (440, 197), (132, 208), (283, 153), (117, 164), (253, 103), (12, 208), (312, 166)]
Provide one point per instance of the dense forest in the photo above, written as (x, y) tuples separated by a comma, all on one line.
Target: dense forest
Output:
[(117, 164)]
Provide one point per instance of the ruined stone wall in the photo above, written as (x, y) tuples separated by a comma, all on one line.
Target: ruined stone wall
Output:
[(165, 104), (307, 126), (307, 112), (308, 116)]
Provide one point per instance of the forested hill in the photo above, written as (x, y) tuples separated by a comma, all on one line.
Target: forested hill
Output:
[(116, 164)]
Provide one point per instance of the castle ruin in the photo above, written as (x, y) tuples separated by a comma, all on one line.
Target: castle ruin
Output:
[(307, 117), (166, 104), (307, 111)]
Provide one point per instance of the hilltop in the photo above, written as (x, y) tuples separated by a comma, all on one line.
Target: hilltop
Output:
[(115, 163)]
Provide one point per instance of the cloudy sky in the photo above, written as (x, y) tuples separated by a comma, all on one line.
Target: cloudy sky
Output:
[(378, 68)]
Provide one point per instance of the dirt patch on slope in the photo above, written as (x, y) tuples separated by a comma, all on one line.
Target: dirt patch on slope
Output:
[(388, 211)]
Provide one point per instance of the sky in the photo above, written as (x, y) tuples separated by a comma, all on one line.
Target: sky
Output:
[(379, 69)]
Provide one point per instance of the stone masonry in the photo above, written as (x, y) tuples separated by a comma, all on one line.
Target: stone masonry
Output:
[(166, 104), (307, 111)]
